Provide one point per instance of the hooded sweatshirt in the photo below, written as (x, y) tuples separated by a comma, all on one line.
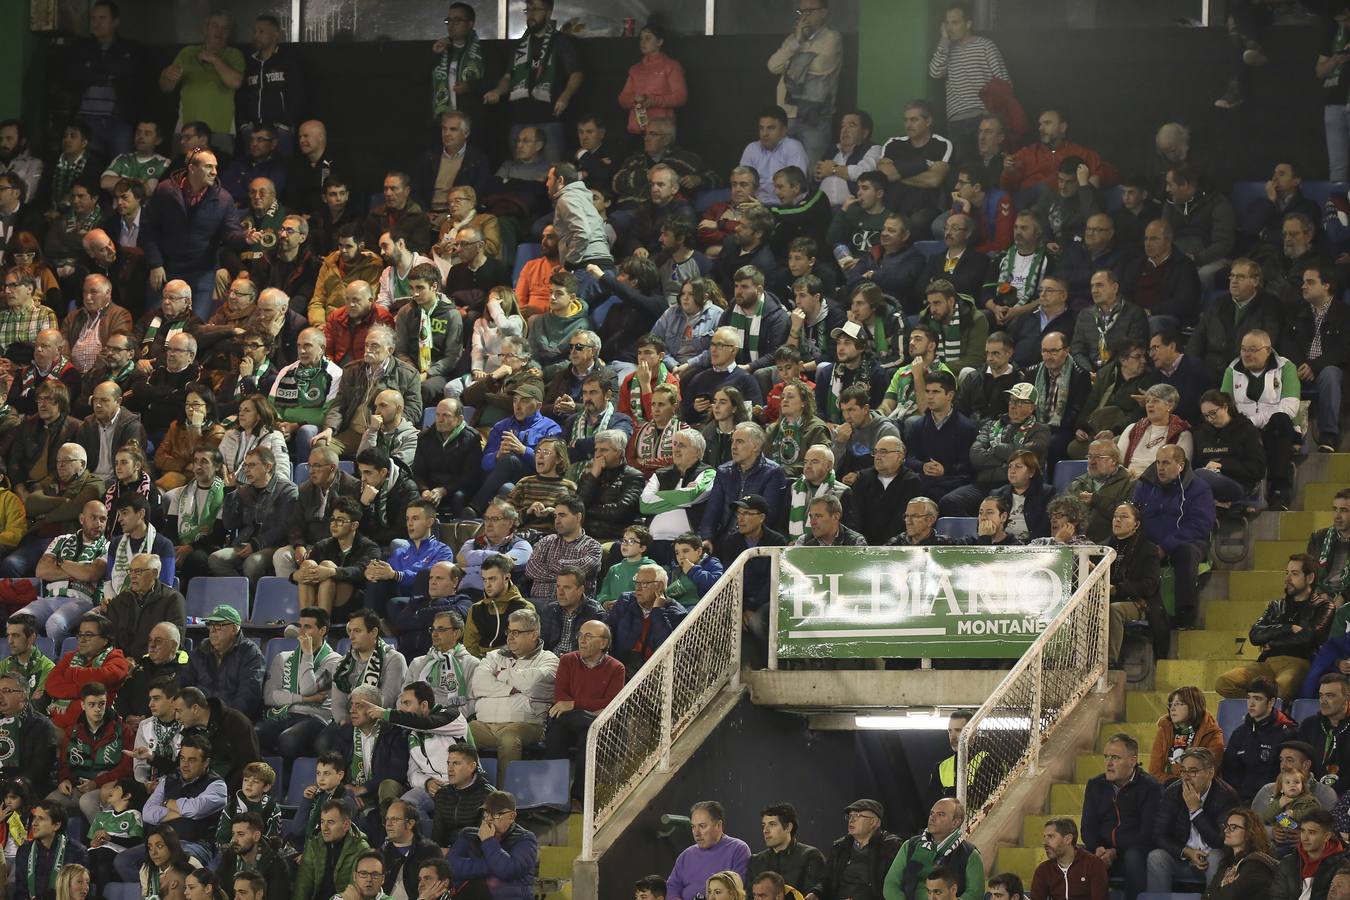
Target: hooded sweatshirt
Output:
[(581, 231)]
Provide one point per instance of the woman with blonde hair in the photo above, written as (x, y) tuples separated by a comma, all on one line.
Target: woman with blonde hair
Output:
[(72, 882), (725, 885), (501, 317)]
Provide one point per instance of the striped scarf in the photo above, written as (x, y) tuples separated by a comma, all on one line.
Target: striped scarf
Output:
[(748, 326), (1050, 408), (949, 335), (371, 673), (581, 427), (802, 495), (654, 445), (635, 391), (1031, 287)]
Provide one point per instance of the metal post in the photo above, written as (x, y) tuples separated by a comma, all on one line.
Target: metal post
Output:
[(667, 710), (588, 801), (1034, 723), (775, 560), (295, 22), (709, 17), (503, 29)]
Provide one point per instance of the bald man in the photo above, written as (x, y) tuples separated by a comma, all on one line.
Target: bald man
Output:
[(124, 267), (388, 430), (588, 679), (87, 327), (111, 425)]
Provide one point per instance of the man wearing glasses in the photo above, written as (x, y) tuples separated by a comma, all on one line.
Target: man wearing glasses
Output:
[(29, 732), (94, 659), (477, 856), (642, 619), (1218, 337), (513, 690), (475, 271), (145, 603), (808, 64), (159, 395)]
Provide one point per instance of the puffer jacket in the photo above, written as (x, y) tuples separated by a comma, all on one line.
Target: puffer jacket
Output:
[(261, 518), (1174, 514), (611, 500), (1205, 226), (236, 679), (996, 443), (508, 688), (331, 287)]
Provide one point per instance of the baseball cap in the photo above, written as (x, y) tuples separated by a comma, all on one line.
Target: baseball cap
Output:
[(866, 805), (225, 613), (752, 501), (851, 330), (1022, 391), (531, 390)]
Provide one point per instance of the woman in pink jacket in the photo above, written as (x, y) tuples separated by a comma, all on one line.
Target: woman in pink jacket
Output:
[(655, 86)]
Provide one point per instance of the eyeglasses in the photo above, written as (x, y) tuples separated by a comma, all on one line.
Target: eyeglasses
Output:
[(645, 583), (1209, 415), (144, 570), (724, 345), (441, 629), (254, 345), (372, 875), (494, 518), (341, 520), (516, 632), (1231, 827), (88, 634), (578, 347), (630, 541), (882, 451), (217, 626)]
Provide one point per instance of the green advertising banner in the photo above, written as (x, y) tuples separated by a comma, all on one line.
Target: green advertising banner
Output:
[(910, 602)]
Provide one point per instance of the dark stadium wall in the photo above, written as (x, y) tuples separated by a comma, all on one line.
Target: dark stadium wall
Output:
[(760, 756)]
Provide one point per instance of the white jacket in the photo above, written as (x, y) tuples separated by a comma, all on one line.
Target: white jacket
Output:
[(420, 668), (1280, 393), (236, 445), (145, 737), (385, 296), (507, 689)]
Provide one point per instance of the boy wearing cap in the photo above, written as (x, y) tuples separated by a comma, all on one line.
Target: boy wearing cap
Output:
[(852, 365), (498, 855), (508, 454), (998, 441)]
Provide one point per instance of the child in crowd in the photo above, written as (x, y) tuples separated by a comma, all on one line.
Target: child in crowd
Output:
[(330, 776), (254, 796), (16, 799), (694, 572), (115, 828), (1293, 800), (619, 579)]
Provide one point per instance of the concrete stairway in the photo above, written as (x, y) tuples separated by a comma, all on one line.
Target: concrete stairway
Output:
[(1230, 603)]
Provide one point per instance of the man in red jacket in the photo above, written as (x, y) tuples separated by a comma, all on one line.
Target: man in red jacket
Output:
[(588, 679), (1069, 872), (1038, 164)]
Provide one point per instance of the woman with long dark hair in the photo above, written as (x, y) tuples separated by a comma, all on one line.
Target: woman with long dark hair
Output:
[(1187, 724), (198, 425), (727, 411), (1247, 865)]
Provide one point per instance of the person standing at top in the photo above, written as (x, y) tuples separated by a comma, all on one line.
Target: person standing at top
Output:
[(808, 64)]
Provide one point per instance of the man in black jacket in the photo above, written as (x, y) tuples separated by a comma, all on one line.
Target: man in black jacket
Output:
[(875, 505), (234, 743), (1328, 732), (1246, 306), (610, 488), (867, 844), (386, 491), (251, 851), (1251, 758), (1288, 633), (447, 461), (1119, 808), (1317, 340), (459, 802), (31, 735), (404, 849), (1193, 811)]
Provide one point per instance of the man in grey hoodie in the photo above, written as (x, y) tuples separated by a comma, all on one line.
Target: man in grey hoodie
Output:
[(581, 231)]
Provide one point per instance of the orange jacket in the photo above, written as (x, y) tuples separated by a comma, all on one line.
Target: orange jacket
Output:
[(1208, 735)]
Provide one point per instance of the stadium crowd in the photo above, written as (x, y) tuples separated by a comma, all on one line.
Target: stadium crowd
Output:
[(504, 429)]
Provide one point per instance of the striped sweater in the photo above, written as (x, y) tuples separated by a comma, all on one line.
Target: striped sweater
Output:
[(968, 67)]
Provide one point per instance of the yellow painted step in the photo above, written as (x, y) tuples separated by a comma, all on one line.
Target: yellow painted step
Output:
[(1087, 766), (1338, 467), (1142, 731), (1033, 829), (1175, 673), (556, 862), (1148, 706), (1275, 554), (1296, 525), (1254, 585), (1215, 644), (1066, 799), (1021, 861), (574, 831), (1231, 614), (1319, 494)]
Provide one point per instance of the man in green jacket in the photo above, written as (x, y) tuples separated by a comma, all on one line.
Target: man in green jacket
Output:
[(316, 879), (940, 845)]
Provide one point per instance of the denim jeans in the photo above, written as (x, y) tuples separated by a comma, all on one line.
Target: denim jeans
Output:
[(1337, 122), (1327, 405), (61, 615)]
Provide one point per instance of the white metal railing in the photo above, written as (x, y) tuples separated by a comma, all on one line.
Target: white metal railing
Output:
[(632, 736), (1002, 741)]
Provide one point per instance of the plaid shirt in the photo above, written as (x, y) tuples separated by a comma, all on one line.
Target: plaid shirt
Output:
[(549, 557), (22, 327)]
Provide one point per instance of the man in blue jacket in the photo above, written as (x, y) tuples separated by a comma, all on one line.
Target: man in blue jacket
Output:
[(498, 855), (635, 637), (396, 576), (748, 472), (509, 452), (1119, 809), (190, 218), (1178, 515)]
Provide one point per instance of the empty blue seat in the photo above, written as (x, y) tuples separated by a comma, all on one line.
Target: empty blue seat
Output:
[(540, 784), (958, 526), (300, 473), (346, 465), (68, 645), (302, 776), (1303, 709), (279, 645), (276, 600), (489, 766), (1244, 198), (429, 416), (1112, 197), (1066, 470), (930, 248), (1320, 192), (206, 592), (343, 646), (524, 253), (47, 646), (1232, 711), (279, 766)]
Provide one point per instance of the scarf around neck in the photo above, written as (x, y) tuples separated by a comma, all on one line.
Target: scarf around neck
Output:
[(290, 677), (196, 520), (467, 65), (749, 326), (1031, 287), (532, 66), (119, 579), (348, 677), (802, 495)]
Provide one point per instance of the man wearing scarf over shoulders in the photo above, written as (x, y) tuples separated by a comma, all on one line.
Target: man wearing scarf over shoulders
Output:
[(544, 75)]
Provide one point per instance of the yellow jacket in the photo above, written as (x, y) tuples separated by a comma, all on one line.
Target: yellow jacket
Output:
[(330, 287)]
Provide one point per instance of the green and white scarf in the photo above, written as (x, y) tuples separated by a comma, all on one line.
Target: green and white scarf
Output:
[(879, 339), (447, 674), (165, 736), (680, 497), (582, 428), (87, 758), (784, 445), (463, 63), (370, 673), (304, 386), (196, 521), (635, 392), (802, 495), (58, 860), (1052, 415), (119, 579), (360, 767), (748, 326), (290, 677), (1326, 578), (532, 67), (949, 335), (156, 324), (1031, 287)]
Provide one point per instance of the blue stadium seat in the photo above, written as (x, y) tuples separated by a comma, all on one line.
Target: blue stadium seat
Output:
[(1320, 192), (302, 776), (429, 416), (1244, 197), (489, 766), (540, 784), (276, 599), (1232, 711), (930, 248), (47, 646), (347, 466), (1066, 470), (1111, 198), (116, 890), (300, 473), (524, 253), (206, 592), (4, 648), (343, 646), (957, 526), (704, 200), (279, 766), (1303, 709), (279, 645), (68, 644)]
